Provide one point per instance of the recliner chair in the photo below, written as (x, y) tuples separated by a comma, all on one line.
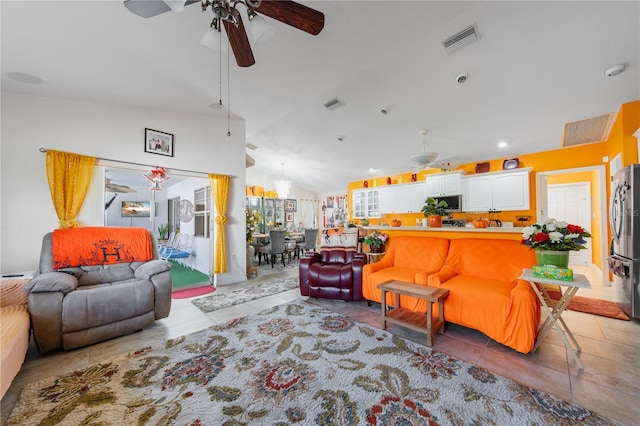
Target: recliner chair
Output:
[(335, 272), (79, 305)]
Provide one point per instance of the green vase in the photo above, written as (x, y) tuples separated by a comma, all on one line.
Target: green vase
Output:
[(552, 257)]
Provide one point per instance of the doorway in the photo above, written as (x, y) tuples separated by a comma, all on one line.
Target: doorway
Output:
[(572, 203), (596, 199)]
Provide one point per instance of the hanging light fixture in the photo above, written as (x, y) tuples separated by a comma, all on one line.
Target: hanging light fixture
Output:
[(282, 185), (423, 156)]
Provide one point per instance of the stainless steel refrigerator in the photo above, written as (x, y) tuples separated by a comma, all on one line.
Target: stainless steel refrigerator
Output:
[(624, 216)]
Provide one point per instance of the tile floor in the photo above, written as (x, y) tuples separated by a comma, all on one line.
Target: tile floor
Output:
[(609, 384)]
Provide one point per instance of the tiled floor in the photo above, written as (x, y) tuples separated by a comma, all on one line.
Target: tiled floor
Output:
[(609, 384)]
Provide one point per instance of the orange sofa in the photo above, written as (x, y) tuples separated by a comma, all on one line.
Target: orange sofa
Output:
[(409, 259), (484, 290)]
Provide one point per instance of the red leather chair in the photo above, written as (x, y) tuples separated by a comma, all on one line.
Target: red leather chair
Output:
[(335, 272)]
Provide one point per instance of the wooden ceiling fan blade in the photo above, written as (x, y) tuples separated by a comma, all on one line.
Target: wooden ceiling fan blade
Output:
[(239, 43), (295, 14), (150, 8)]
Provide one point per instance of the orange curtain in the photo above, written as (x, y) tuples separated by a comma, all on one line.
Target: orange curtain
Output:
[(69, 176), (219, 185)]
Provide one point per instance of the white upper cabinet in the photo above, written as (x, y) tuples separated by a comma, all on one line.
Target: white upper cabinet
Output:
[(500, 191), (442, 184), (402, 198)]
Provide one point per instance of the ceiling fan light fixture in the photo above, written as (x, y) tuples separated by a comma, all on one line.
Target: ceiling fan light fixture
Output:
[(260, 29), (175, 5), (424, 157), (212, 38)]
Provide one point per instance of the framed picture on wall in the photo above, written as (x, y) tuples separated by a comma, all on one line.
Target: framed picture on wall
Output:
[(289, 217), (157, 142), (290, 205)]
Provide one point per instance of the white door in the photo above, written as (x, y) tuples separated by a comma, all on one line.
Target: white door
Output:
[(572, 203)]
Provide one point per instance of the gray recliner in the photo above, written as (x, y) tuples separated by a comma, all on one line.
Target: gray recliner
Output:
[(79, 306)]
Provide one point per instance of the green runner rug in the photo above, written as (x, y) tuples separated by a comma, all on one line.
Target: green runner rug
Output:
[(183, 276)]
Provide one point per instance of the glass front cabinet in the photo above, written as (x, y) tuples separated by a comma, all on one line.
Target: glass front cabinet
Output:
[(272, 210), (366, 203)]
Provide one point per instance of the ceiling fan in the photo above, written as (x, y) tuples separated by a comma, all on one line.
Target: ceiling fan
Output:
[(114, 187), (286, 11), (425, 159)]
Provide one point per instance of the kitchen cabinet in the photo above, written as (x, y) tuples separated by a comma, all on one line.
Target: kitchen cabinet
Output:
[(501, 191), (442, 184), (366, 203), (402, 198)]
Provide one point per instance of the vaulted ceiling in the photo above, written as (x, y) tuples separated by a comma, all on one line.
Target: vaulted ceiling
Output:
[(536, 66)]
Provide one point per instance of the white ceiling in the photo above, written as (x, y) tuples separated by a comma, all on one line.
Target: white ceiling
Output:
[(536, 66)]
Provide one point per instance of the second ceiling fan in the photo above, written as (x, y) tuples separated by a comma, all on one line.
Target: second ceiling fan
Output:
[(286, 11)]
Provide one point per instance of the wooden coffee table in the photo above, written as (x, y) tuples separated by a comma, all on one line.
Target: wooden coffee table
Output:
[(423, 323)]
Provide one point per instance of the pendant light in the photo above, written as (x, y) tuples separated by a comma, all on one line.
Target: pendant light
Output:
[(282, 185)]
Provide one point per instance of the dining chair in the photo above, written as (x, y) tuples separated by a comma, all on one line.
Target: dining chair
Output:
[(309, 243), (274, 248)]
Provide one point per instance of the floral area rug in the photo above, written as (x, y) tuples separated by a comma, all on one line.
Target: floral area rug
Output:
[(250, 292), (292, 364)]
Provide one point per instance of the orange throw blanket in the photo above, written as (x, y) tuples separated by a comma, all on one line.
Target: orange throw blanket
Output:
[(87, 246)]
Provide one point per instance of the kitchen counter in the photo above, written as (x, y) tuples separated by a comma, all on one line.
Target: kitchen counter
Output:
[(492, 229)]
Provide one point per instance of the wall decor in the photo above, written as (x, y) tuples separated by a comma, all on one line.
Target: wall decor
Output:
[(136, 209), (290, 205), (289, 217), (157, 142)]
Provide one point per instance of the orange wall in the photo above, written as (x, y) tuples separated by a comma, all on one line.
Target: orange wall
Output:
[(621, 140), (559, 159)]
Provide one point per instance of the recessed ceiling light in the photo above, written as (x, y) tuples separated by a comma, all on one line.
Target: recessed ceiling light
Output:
[(615, 70), (502, 144), (23, 77), (372, 169)]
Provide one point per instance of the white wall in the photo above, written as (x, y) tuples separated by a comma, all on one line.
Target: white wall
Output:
[(107, 131)]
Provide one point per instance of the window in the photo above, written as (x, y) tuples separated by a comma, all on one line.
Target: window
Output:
[(202, 201), (174, 214)]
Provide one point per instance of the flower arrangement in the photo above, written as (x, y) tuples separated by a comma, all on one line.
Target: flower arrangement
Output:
[(254, 217), (376, 239), (555, 235)]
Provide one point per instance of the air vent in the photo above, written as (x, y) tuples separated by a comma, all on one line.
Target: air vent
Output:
[(460, 40), (333, 104), (590, 130), (251, 146)]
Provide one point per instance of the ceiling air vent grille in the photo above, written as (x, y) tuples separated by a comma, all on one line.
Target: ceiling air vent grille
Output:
[(590, 130), (462, 39), (333, 104)]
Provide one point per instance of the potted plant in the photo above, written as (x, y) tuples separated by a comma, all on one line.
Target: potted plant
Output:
[(163, 232), (376, 241), (434, 210), (553, 240)]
